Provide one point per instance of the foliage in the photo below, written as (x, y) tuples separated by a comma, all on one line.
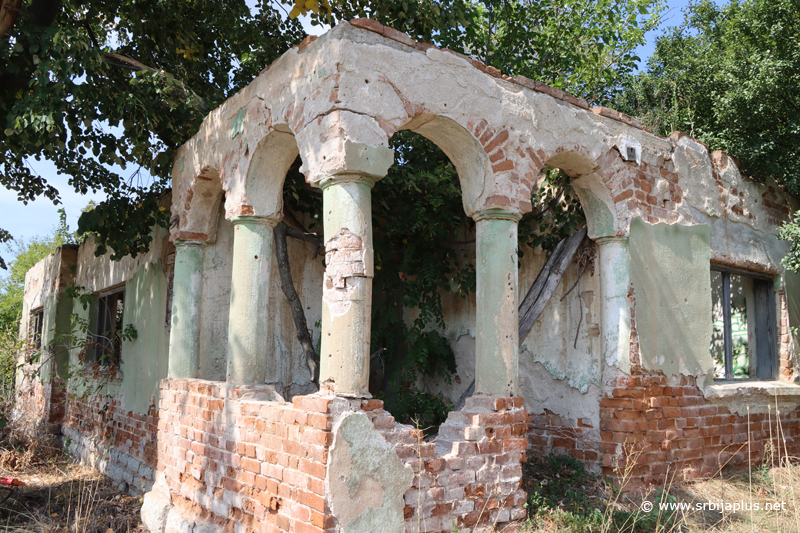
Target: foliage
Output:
[(82, 341), (728, 75), (92, 84), (790, 231), (562, 492), (25, 255), (421, 409), (10, 347)]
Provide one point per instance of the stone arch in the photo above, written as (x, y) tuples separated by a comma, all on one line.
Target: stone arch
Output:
[(201, 204), (590, 186), (266, 172), (463, 150)]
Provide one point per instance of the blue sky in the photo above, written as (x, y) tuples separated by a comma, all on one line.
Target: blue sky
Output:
[(41, 216)]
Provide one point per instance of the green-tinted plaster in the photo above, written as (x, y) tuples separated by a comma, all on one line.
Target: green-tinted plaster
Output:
[(144, 360), (347, 313), (366, 479), (237, 124), (248, 360), (184, 342), (49, 325), (497, 337), (670, 271)]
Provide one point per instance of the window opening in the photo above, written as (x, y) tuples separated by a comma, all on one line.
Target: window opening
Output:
[(36, 324), (743, 343), (108, 347)]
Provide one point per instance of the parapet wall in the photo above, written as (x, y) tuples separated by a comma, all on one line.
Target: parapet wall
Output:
[(237, 459)]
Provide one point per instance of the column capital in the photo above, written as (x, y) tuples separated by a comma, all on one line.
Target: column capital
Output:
[(188, 242), (349, 177), (497, 214), (256, 220), (611, 238), (342, 160)]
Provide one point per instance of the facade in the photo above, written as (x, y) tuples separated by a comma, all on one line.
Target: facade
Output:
[(673, 347)]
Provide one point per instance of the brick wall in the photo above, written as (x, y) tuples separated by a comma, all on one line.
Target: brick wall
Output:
[(551, 433), (40, 403), (470, 474), (674, 430), (118, 442), (242, 462), (669, 427)]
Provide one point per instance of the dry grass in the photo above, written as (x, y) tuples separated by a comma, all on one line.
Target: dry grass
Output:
[(59, 496)]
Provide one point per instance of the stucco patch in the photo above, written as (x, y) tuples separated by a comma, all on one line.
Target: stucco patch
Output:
[(670, 271), (366, 479)]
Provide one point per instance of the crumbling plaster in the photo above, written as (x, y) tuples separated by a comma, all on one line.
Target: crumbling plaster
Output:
[(366, 480), (353, 88)]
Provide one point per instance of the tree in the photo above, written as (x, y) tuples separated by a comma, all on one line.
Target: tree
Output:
[(152, 70), (729, 76)]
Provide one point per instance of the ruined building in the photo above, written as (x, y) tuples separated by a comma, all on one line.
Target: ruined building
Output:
[(687, 279)]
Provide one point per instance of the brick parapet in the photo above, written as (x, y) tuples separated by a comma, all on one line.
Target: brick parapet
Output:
[(243, 463), (470, 474)]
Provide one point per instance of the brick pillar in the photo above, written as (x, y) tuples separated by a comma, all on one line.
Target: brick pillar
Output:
[(248, 351), (184, 337), (497, 336)]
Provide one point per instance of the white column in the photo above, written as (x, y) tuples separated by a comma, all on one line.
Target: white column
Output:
[(615, 311)]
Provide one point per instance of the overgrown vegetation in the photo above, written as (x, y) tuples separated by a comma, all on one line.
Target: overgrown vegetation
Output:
[(728, 76), (564, 497)]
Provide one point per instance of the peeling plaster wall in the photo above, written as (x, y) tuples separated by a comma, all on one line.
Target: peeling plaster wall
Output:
[(144, 360), (44, 286), (556, 372), (792, 287), (307, 274)]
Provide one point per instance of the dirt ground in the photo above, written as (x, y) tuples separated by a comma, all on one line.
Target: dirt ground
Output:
[(59, 496)]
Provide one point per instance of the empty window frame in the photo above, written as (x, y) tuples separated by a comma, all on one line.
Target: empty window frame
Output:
[(110, 308), (744, 339), (35, 328)]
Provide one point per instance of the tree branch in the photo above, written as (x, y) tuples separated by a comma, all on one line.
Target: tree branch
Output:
[(298, 315)]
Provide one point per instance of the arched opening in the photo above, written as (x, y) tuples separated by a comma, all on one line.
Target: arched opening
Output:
[(423, 318), (272, 190), (562, 356), (462, 149)]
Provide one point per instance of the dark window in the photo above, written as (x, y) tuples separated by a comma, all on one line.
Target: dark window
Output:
[(744, 340), (109, 326), (37, 321)]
